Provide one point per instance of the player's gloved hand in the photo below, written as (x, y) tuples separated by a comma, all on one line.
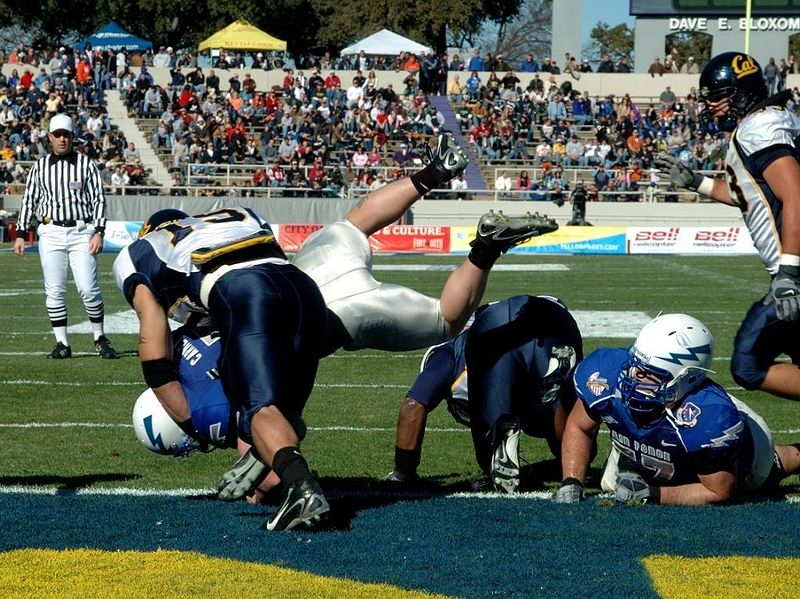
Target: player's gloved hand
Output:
[(571, 491), (785, 292), (246, 474), (632, 488), (679, 174)]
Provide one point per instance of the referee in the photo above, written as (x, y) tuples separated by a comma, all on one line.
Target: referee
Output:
[(65, 194)]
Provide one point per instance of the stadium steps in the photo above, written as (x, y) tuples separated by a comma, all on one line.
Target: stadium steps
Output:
[(118, 114), (473, 174)]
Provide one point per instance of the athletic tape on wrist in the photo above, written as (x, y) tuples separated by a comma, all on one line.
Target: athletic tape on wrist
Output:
[(789, 260), (706, 186)]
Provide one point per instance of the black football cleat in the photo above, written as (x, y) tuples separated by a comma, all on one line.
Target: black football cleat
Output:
[(103, 347), (501, 232), (304, 506), (504, 469), (60, 352)]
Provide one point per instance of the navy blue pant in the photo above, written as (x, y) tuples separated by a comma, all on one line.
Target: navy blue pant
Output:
[(761, 338), (508, 353), (273, 323)]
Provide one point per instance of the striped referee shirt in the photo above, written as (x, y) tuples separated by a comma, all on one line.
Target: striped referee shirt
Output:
[(63, 188)]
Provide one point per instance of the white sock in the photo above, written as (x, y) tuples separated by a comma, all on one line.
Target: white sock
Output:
[(97, 329), (61, 335)]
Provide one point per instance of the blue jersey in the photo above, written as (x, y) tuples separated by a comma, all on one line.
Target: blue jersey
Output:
[(172, 259), (705, 433), (197, 355), (443, 374)]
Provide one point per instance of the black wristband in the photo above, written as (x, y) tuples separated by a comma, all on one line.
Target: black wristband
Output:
[(571, 481), (187, 426), (788, 271), (159, 372), (101, 231), (655, 495), (695, 184)]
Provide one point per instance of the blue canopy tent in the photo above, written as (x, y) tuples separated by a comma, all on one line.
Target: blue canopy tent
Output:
[(114, 37)]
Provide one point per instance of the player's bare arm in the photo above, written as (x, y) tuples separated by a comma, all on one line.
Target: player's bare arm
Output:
[(576, 444), (155, 347), (717, 487)]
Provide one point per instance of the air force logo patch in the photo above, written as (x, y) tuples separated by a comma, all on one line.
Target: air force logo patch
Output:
[(596, 384), (687, 414)]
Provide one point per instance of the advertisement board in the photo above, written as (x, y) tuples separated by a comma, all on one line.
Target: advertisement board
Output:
[(690, 240)]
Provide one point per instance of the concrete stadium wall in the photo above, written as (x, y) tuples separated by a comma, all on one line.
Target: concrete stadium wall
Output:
[(427, 212), (639, 86)]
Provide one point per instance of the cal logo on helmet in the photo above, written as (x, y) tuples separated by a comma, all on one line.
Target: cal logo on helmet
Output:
[(743, 65)]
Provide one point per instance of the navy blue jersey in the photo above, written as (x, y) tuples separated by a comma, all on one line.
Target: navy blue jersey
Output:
[(443, 374), (197, 356), (704, 433), (514, 346)]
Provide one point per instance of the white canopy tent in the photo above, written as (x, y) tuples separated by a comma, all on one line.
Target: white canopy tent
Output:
[(385, 43)]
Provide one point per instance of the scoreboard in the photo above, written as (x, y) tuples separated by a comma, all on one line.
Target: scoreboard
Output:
[(648, 8)]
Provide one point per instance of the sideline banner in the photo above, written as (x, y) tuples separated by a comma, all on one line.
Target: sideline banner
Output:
[(425, 239), (690, 240), (436, 239), (120, 234), (567, 240)]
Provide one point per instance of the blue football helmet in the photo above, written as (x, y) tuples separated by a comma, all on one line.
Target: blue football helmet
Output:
[(159, 217), (670, 358)]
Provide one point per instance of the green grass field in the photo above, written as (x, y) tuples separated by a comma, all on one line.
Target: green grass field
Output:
[(72, 474), (83, 405)]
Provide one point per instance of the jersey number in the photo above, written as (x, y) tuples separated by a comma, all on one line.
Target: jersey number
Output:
[(662, 470), (179, 232)]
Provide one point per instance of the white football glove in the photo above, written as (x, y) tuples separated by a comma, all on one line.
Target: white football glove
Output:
[(679, 174), (244, 476), (785, 293), (633, 489)]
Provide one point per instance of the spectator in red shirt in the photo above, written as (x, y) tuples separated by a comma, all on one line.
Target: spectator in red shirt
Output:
[(276, 175), (332, 80), (260, 178), (316, 173)]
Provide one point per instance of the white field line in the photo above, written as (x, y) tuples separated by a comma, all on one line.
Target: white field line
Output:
[(141, 384), (319, 429), (185, 492)]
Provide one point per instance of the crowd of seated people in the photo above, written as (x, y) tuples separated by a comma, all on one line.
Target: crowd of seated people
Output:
[(48, 82), (362, 132)]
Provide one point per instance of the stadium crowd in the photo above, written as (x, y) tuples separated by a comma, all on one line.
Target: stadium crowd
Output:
[(318, 135)]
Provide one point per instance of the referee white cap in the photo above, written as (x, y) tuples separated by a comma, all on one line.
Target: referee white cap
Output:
[(60, 122)]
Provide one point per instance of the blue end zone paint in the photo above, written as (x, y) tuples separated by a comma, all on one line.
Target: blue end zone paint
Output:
[(457, 546)]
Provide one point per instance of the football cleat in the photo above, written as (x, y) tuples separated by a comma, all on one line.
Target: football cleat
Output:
[(304, 506), (480, 483), (448, 159), (244, 476), (395, 476), (103, 347), (501, 232), (504, 470), (60, 352)]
